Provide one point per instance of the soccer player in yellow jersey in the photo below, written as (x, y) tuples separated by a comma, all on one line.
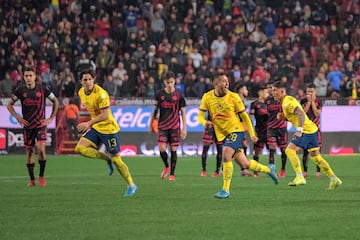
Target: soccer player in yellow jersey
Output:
[(305, 137), (224, 107), (101, 129)]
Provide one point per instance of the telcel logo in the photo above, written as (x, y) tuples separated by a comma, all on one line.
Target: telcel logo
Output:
[(134, 118), (137, 119)]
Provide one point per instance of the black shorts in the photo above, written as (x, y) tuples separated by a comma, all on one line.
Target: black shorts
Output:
[(171, 136), (209, 136), (261, 142), (30, 135), (278, 136)]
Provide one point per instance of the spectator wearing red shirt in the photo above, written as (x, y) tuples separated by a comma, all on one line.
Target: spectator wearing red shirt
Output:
[(103, 27), (260, 72), (17, 74)]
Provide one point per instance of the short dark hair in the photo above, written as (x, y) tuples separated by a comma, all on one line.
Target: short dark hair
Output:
[(262, 87), (217, 76), (239, 86), (311, 85), (87, 71), (279, 84), (29, 69), (168, 75)]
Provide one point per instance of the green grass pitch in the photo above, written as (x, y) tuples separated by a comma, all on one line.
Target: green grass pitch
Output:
[(82, 202)]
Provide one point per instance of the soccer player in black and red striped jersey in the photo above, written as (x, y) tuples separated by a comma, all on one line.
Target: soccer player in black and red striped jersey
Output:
[(258, 109), (277, 134), (32, 96), (170, 103), (312, 107), (243, 92)]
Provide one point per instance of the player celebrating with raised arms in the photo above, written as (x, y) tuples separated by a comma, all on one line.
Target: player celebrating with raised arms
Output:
[(32, 97), (305, 137), (101, 129), (224, 107)]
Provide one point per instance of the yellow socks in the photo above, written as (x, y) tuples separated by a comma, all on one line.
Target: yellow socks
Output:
[(123, 170), (90, 152), (323, 165), (228, 169), (295, 161), (258, 167)]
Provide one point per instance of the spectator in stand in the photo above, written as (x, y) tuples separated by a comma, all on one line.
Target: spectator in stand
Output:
[(63, 63), (218, 51), (141, 81), (334, 76), (333, 37), (200, 87), (321, 84), (56, 85), (104, 62), (6, 86), (47, 77), (84, 63), (171, 26), (179, 85), (157, 26), (131, 16), (128, 87), (353, 87), (102, 30), (269, 27), (150, 87), (30, 61), (355, 38), (19, 44), (110, 86), (68, 87), (17, 74), (260, 72), (138, 55), (164, 46), (306, 38)]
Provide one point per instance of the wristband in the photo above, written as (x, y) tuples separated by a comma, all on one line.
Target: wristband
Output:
[(299, 129)]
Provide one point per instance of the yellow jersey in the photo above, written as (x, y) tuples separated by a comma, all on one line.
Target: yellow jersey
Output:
[(224, 112), (289, 104), (99, 99)]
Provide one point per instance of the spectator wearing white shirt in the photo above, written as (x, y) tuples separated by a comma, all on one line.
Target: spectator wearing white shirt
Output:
[(321, 84), (218, 50), (196, 58), (118, 75)]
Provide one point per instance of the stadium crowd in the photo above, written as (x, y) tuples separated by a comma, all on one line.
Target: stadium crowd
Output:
[(131, 43)]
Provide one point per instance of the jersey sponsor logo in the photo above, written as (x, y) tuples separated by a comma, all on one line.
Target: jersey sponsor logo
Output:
[(168, 105), (31, 102)]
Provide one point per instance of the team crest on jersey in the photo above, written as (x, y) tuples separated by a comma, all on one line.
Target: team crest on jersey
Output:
[(163, 98), (220, 106), (38, 94), (174, 98), (24, 94)]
